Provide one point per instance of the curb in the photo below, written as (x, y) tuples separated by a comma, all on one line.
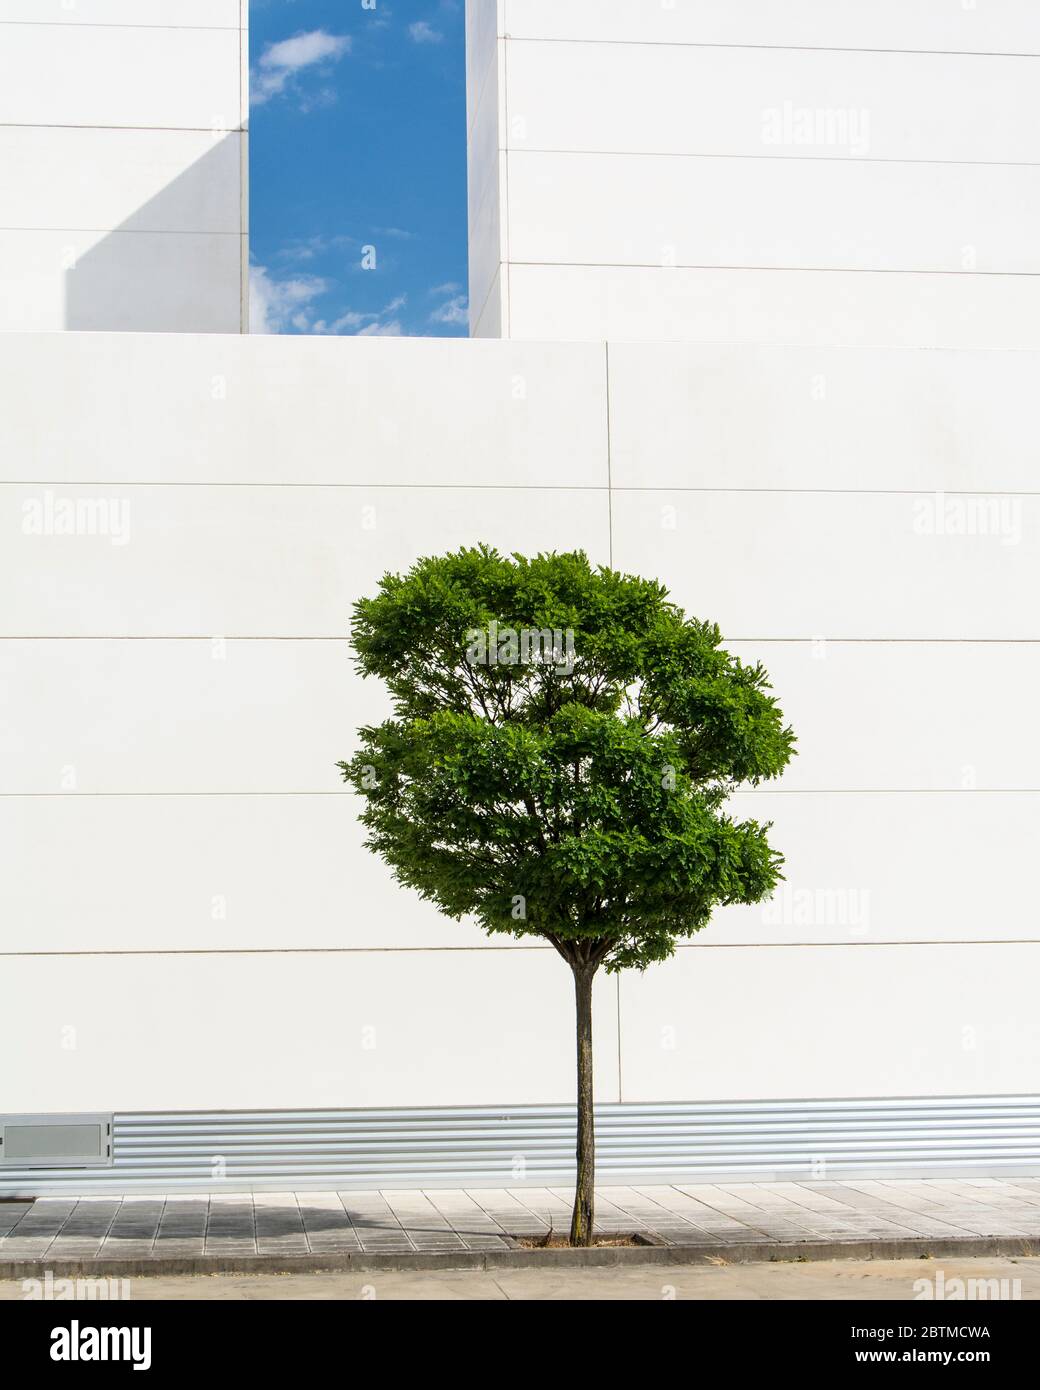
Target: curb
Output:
[(348, 1261)]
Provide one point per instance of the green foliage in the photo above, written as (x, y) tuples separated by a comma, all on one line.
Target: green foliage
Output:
[(580, 796)]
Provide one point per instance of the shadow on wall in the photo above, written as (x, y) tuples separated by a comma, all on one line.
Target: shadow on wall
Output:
[(177, 264)]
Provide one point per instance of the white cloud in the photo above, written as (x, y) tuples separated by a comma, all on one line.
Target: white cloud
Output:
[(280, 304), (275, 304), (349, 322), (307, 248), (421, 32), (392, 329), (280, 62), (368, 325), (449, 287), (453, 311)]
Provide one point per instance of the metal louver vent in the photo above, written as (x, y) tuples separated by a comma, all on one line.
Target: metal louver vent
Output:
[(534, 1145), (55, 1141)]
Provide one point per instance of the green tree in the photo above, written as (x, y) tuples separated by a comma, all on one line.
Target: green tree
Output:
[(562, 745)]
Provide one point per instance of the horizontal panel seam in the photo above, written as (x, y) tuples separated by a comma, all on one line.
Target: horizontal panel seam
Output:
[(634, 488), (361, 487), (109, 232), (771, 269), (427, 950), (771, 158), (776, 47), (110, 24), (168, 129)]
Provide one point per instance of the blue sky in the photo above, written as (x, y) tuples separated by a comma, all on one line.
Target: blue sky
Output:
[(358, 167)]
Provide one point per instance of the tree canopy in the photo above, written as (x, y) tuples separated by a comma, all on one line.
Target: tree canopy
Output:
[(562, 745)]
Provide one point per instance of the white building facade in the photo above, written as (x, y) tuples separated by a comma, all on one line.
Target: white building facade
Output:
[(753, 304)]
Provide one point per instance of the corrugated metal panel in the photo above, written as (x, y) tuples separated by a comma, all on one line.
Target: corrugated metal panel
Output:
[(483, 1146)]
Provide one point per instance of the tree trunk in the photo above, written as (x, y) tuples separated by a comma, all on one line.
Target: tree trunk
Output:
[(584, 1192)]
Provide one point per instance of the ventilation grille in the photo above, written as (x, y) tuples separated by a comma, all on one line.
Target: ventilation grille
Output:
[(55, 1141)]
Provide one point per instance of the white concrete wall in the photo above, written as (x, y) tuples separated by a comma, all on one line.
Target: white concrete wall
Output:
[(812, 172), (187, 916), (123, 151)]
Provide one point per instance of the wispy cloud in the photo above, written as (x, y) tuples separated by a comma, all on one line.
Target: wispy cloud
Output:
[(422, 32), (309, 248), (454, 311), (276, 304), (360, 324), (281, 63), (392, 329)]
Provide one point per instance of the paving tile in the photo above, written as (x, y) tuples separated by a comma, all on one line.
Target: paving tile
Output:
[(327, 1225), (375, 1224), (76, 1249), (427, 1227), (25, 1249), (116, 1249), (279, 1224), (231, 1226), (477, 1228), (178, 1248), (702, 1223), (505, 1207), (10, 1215), (1014, 1189), (543, 1209), (812, 1198)]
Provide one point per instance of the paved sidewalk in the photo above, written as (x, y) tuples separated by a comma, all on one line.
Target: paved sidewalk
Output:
[(441, 1223)]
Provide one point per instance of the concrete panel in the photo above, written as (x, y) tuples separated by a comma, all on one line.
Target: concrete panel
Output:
[(999, 26), (906, 715), (121, 281), (229, 409), (832, 1021), (841, 564), (822, 214), (133, 180), (673, 99), (799, 308), (747, 417), (193, 1032), (134, 76), (878, 866), (205, 873), (102, 717), (247, 561)]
